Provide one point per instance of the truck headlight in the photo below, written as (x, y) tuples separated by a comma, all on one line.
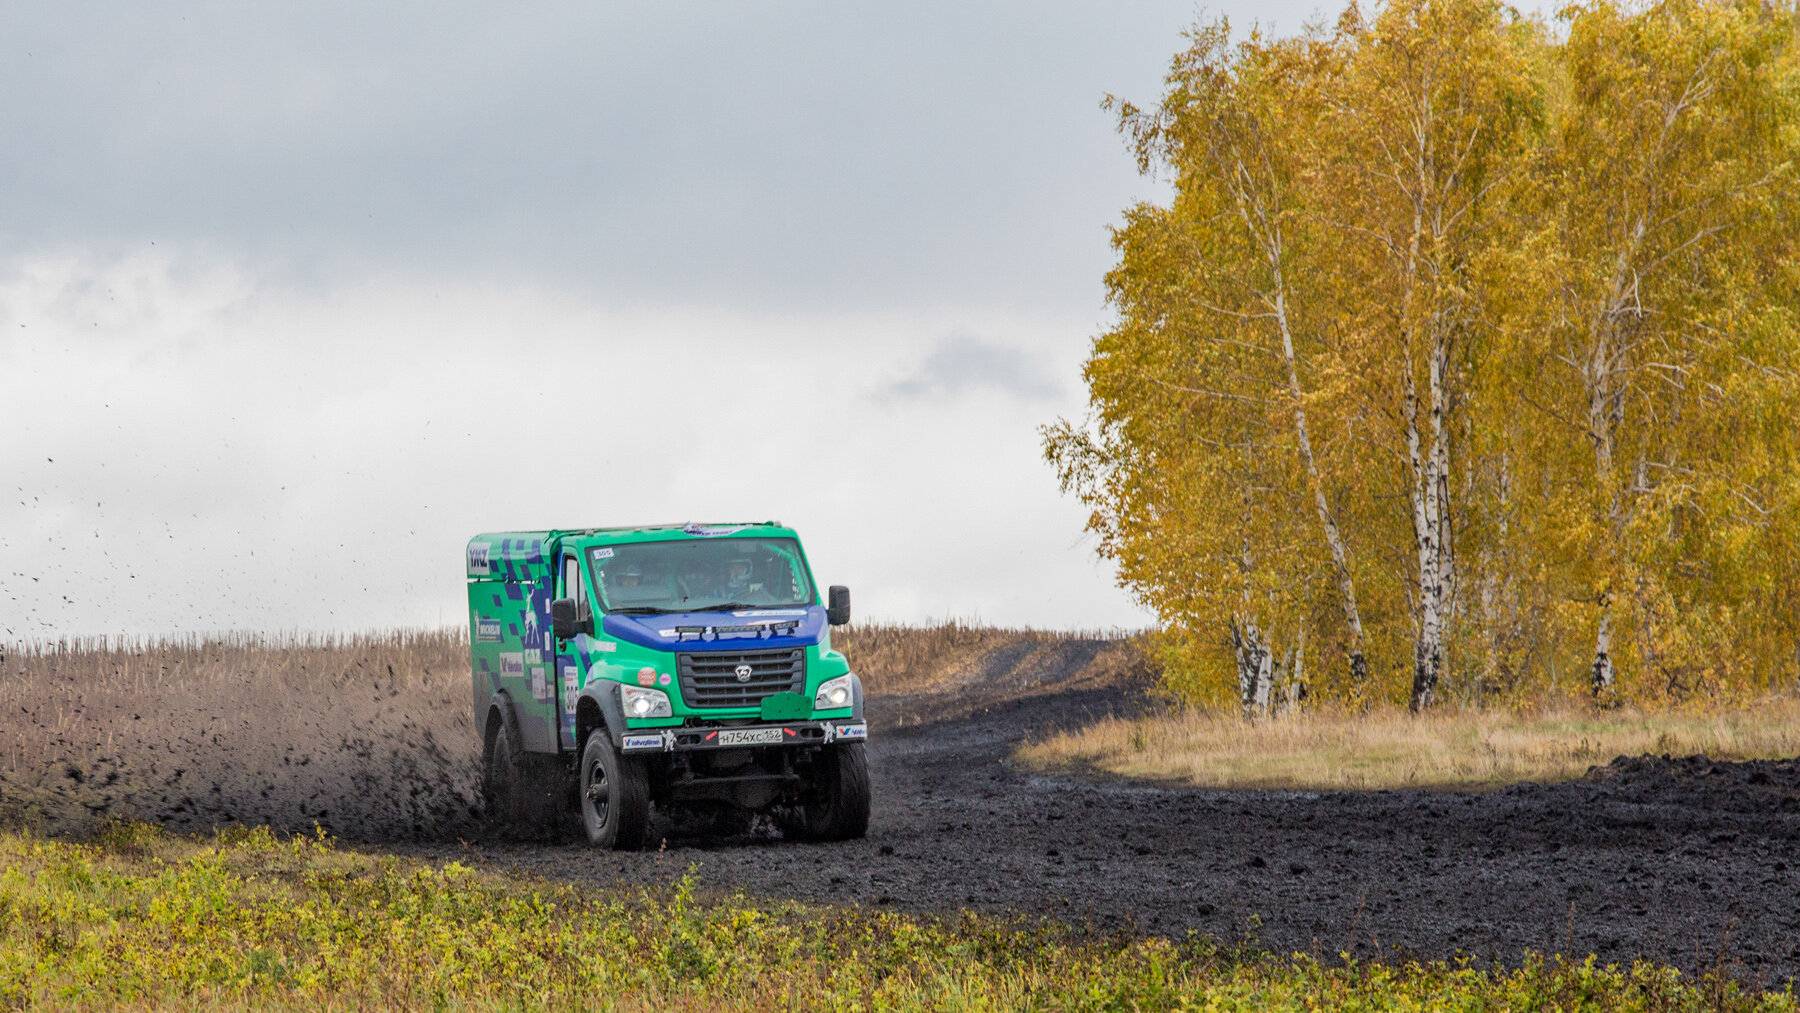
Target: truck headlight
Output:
[(834, 694), (645, 703)]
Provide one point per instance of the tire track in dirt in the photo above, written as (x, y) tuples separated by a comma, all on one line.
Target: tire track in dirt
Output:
[(1685, 861)]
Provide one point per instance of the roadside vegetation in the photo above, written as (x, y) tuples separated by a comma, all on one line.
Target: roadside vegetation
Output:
[(1392, 748), (250, 920)]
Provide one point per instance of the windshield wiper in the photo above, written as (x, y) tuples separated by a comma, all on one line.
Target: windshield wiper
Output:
[(729, 606), (641, 610)]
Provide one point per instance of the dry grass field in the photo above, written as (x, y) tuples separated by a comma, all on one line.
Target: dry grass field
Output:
[(369, 736), (366, 731), (1394, 749)]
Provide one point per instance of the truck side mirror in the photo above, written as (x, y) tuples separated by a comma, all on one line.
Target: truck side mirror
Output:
[(565, 619), (837, 609)]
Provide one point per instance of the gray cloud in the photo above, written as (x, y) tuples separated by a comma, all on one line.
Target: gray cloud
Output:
[(298, 297), (723, 153), (961, 363)]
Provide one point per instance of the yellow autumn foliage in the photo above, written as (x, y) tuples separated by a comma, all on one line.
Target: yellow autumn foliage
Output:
[(1464, 360)]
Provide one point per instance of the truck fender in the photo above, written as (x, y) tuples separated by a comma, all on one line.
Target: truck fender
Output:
[(604, 695), (500, 703)]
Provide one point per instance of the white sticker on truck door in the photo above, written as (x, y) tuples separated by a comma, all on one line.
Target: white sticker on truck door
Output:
[(512, 665), (478, 558)]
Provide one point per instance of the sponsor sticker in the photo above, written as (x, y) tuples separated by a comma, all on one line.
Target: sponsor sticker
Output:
[(749, 736), (664, 679), (487, 629), (713, 531), (603, 646), (512, 665), (478, 558), (852, 731), (540, 686), (602, 553), (569, 675), (643, 742), (534, 657), (646, 678)]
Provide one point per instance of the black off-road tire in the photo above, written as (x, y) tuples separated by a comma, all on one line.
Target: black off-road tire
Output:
[(838, 806), (613, 794), (520, 796)]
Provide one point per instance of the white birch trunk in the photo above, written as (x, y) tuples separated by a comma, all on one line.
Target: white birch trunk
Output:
[(1428, 529), (1334, 540), (1602, 678), (1251, 648), (1293, 680), (1606, 410)]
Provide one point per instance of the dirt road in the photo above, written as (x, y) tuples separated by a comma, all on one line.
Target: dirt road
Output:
[(1677, 860)]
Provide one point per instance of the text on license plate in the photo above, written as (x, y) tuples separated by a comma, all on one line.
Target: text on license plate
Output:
[(749, 736)]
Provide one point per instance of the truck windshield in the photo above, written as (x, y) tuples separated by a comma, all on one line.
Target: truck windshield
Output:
[(700, 575)]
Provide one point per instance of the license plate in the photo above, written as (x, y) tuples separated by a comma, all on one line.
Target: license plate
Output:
[(749, 736)]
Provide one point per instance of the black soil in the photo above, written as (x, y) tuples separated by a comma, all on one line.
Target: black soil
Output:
[(1686, 861)]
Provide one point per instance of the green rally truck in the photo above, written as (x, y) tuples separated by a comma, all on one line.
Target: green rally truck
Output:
[(682, 667)]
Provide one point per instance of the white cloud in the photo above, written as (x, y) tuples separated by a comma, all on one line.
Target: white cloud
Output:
[(197, 448)]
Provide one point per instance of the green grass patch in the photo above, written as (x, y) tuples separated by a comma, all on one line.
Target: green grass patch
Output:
[(251, 920)]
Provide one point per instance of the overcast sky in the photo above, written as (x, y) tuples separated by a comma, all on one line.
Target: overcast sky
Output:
[(293, 301)]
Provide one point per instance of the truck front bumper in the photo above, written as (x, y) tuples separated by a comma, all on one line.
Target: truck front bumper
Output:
[(787, 733)]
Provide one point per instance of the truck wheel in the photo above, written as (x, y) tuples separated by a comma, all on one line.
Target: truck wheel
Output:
[(615, 795), (515, 798), (839, 808)]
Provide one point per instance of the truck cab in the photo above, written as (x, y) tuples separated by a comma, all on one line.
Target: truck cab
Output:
[(688, 668)]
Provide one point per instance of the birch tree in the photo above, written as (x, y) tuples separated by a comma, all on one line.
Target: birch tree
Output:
[(1674, 158), (1454, 335), (1433, 119), (1233, 125)]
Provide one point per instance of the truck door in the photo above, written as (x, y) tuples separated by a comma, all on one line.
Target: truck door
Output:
[(536, 706), (511, 579), (571, 660)]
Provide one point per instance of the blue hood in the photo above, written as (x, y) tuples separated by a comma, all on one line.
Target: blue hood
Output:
[(745, 629)]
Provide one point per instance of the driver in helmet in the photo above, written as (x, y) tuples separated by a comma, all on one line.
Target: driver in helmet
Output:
[(737, 577), (628, 575)]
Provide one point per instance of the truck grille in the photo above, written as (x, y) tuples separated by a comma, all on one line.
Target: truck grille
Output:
[(710, 678)]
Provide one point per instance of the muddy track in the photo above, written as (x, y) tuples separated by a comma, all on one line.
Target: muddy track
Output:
[(1677, 860), (1683, 861)]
